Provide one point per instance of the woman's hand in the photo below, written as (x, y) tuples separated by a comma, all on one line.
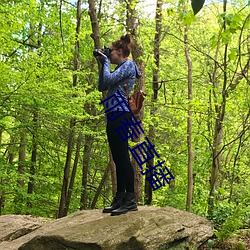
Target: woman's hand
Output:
[(101, 58)]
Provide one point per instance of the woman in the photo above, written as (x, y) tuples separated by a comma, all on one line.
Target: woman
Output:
[(126, 71)]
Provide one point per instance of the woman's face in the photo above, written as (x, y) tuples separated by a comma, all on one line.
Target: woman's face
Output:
[(116, 56)]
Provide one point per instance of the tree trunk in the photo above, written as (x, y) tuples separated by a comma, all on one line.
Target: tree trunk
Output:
[(1, 135), (151, 135), (73, 174), (9, 160), (2, 198), (35, 111), (85, 169), (19, 198), (98, 191), (66, 176), (2, 201), (77, 43), (1, 179), (94, 24), (64, 191), (217, 142), (97, 44), (21, 159), (137, 53), (189, 125), (245, 122), (11, 152), (33, 157)]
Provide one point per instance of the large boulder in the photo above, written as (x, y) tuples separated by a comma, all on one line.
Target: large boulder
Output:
[(15, 226), (148, 228)]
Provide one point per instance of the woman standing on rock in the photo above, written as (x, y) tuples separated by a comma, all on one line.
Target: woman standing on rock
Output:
[(125, 72)]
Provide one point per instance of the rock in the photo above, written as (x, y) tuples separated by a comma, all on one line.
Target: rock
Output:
[(148, 228), (15, 226)]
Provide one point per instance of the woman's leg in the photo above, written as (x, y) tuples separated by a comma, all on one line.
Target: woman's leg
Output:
[(120, 153)]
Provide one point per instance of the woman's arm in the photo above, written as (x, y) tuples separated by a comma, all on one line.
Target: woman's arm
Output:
[(101, 86), (123, 72)]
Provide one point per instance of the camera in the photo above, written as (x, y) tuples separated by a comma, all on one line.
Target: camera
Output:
[(106, 51)]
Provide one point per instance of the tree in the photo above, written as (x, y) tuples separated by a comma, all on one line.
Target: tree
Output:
[(157, 43), (64, 200), (220, 107), (137, 53), (189, 124)]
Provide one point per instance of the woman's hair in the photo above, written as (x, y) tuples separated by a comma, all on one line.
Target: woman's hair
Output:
[(124, 44)]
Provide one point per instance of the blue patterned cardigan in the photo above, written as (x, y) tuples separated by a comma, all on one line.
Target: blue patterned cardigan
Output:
[(114, 82)]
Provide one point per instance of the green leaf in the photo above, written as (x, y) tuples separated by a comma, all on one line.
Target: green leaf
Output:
[(226, 36), (197, 5), (233, 54), (188, 17)]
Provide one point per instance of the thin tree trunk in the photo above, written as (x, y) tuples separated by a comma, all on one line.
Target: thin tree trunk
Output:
[(217, 142), (97, 44), (95, 24), (73, 174), (2, 201), (22, 152), (32, 167), (2, 198), (189, 125), (99, 189), (77, 43), (78, 144), (34, 144), (33, 157), (245, 122), (64, 191), (172, 183), (66, 170), (11, 155), (137, 52), (151, 135), (1, 136), (85, 169), (234, 166), (19, 199), (22, 159), (35, 112)]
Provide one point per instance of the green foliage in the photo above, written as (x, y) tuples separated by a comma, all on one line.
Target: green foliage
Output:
[(38, 80), (235, 221), (241, 245), (222, 211)]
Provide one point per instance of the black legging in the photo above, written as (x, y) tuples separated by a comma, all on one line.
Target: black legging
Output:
[(119, 150)]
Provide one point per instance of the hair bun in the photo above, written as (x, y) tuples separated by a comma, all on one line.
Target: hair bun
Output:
[(126, 39)]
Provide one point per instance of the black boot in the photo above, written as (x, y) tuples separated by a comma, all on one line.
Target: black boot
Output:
[(128, 204), (117, 200)]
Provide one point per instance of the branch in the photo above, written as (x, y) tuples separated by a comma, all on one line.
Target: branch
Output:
[(191, 45), (245, 128), (68, 3), (27, 78), (241, 75), (24, 41), (239, 58), (60, 15), (27, 44)]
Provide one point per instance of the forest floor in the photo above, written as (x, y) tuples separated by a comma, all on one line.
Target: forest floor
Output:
[(232, 243)]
